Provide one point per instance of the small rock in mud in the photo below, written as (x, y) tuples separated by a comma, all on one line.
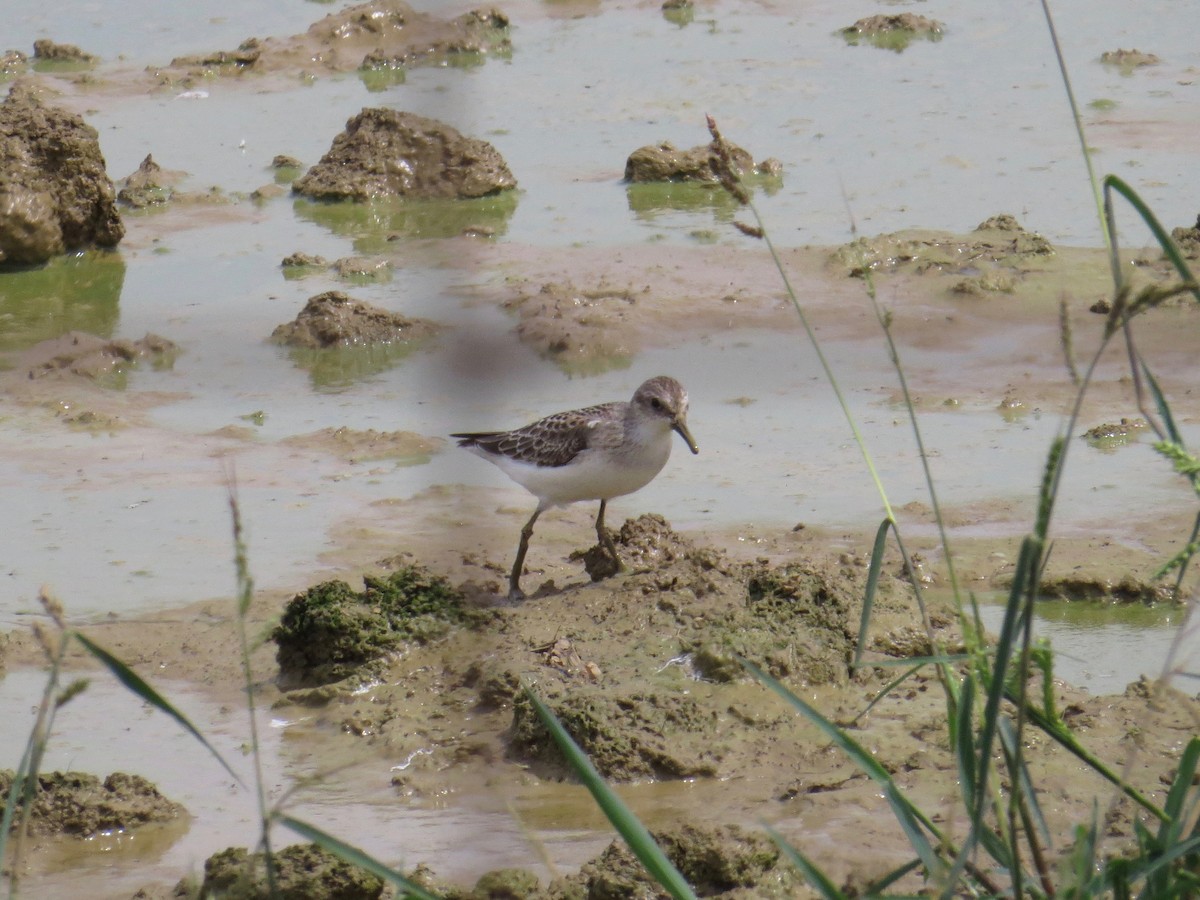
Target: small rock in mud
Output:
[(334, 319), (55, 194), (282, 161), (1128, 60), (386, 152), (89, 356), (331, 630), (1110, 434), (301, 871), (47, 49), (665, 162), (150, 185), (80, 805)]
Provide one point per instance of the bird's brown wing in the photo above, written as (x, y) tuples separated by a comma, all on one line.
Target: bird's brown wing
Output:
[(552, 441)]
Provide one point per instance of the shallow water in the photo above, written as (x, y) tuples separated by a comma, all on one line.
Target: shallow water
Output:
[(940, 135)]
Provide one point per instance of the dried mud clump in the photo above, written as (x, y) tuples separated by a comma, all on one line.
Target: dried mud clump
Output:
[(999, 246), (716, 861), (330, 631), (584, 330), (55, 195), (88, 356), (1105, 590), (665, 162), (384, 152), (893, 32), (658, 734), (150, 185), (334, 319), (1188, 240), (1109, 435), (301, 871), (475, 33), (1129, 59), (81, 805), (48, 50)]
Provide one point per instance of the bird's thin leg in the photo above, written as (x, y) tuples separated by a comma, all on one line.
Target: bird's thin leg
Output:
[(606, 540), (514, 580)]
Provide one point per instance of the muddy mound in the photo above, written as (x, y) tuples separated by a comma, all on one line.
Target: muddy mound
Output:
[(385, 152), (333, 319), (81, 805), (94, 358), (381, 34), (999, 249), (721, 861), (330, 631), (665, 162), (55, 195), (301, 871), (148, 185)]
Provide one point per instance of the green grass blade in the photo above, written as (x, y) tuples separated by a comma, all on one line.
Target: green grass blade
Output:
[(138, 686), (1113, 183), (962, 734), (1009, 737), (355, 857), (818, 879), (873, 572), (623, 820), (914, 822)]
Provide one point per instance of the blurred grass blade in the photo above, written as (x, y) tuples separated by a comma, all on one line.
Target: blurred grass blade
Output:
[(1008, 737), (355, 857), (627, 824), (1164, 409), (818, 879), (137, 685), (879, 885), (872, 585), (1172, 830), (914, 822)]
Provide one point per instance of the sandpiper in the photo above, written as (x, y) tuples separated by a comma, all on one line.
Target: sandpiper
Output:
[(594, 453)]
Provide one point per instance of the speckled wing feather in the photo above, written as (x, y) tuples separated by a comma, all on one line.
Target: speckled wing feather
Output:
[(552, 441)]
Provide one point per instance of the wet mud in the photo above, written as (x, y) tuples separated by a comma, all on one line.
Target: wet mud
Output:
[(422, 669)]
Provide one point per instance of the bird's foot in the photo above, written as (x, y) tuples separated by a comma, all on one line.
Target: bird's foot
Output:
[(515, 594)]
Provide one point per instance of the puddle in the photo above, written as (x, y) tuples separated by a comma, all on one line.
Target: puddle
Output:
[(1104, 647)]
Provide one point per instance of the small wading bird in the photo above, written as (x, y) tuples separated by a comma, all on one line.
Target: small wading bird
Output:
[(595, 453)]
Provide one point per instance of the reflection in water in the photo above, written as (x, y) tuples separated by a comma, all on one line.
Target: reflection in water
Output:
[(80, 292), (1108, 645), (372, 226)]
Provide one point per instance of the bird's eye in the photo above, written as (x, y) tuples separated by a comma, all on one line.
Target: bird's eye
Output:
[(655, 403)]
